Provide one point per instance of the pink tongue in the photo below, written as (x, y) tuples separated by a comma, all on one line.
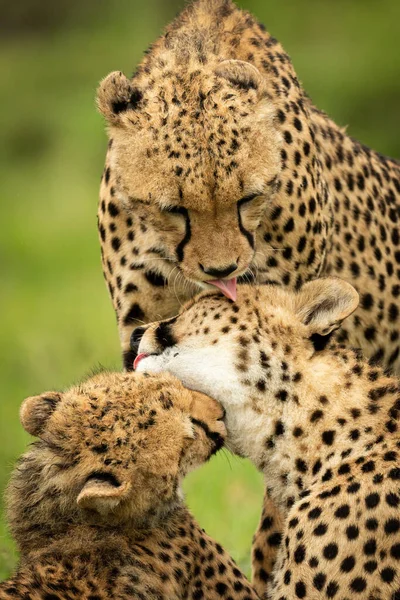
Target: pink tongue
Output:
[(138, 359), (227, 287)]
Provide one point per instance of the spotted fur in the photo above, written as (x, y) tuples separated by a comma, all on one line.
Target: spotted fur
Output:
[(95, 505), (315, 417), (219, 162)]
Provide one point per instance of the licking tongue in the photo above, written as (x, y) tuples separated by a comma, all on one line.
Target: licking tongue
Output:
[(227, 287)]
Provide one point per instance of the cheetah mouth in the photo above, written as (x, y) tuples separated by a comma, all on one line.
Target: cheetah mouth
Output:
[(139, 358)]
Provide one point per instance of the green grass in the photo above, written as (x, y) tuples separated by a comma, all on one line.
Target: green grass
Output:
[(57, 321)]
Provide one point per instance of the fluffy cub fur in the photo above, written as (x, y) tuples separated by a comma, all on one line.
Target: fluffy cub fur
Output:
[(317, 419), (95, 505)]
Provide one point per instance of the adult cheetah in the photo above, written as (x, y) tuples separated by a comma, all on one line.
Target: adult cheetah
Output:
[(220, 168), (318, 420), (96, 506)]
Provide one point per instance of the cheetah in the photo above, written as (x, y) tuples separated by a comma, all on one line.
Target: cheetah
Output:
[(95, 505), (319, 421), (220, 169)]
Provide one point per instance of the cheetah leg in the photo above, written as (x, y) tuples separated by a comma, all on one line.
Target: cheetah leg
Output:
[(266, 543)]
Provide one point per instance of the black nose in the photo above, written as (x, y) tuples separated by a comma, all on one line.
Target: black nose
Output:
[(218, 273), (136, 336)]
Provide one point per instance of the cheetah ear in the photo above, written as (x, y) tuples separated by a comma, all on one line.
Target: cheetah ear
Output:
[(241, 74), (102, 493), (36, 410), (323, 304), (115, 95)]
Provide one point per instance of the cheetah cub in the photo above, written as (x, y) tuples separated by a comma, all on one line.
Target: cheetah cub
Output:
[(95, 505), (320, 422)]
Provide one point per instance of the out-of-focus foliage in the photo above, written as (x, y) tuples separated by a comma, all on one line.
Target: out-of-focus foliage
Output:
[(56, 318)]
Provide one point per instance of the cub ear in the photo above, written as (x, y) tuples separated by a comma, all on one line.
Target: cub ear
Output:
[(323, 304), (241, 74), (115, 95), (36, 410), (102, 492)]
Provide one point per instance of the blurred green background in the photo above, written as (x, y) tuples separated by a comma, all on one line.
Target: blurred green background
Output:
[(56, 318)]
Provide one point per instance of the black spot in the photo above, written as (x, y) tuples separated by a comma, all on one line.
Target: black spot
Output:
[(289, 225), (315, 513), (301, 465), (112, 209), (130, 287), (387, 575), (316, 416), (371, 524), (135, 98), (300, 589), (319, 581), (328, 437), (300, 554), (320, 341), (353, 488), (275, 539), (352, 532), (135, 314), (155, 278), (321, 529), (116, 243), (342, 512), (297, 124), (332, 589), (358, 584), (370, 547), (347, 564), (392, 526), (330, 551), (372, 500), (392, 499), (164, 335), (221, 588), (395, 551), (288, 137)]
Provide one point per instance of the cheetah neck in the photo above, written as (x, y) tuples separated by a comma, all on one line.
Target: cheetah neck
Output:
[(338, 413)]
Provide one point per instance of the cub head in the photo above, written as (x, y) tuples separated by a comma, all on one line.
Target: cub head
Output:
[(196, 152), (251, 355), (114, 449)]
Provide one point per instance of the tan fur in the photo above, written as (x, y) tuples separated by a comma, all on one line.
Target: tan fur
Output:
[(213, 113), (321, 423), (95, 505)]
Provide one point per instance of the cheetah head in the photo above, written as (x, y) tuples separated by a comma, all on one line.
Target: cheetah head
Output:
[(186, 148), (250, 355), (115, 448)]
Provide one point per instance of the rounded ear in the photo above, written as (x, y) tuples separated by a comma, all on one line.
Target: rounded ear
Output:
[(115, 95), (102, 492), (36, 410), (323, 304), (241, 74)]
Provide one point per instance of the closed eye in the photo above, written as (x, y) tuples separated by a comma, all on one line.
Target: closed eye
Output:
[(216, 438), (247, 199), (174, 210)]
